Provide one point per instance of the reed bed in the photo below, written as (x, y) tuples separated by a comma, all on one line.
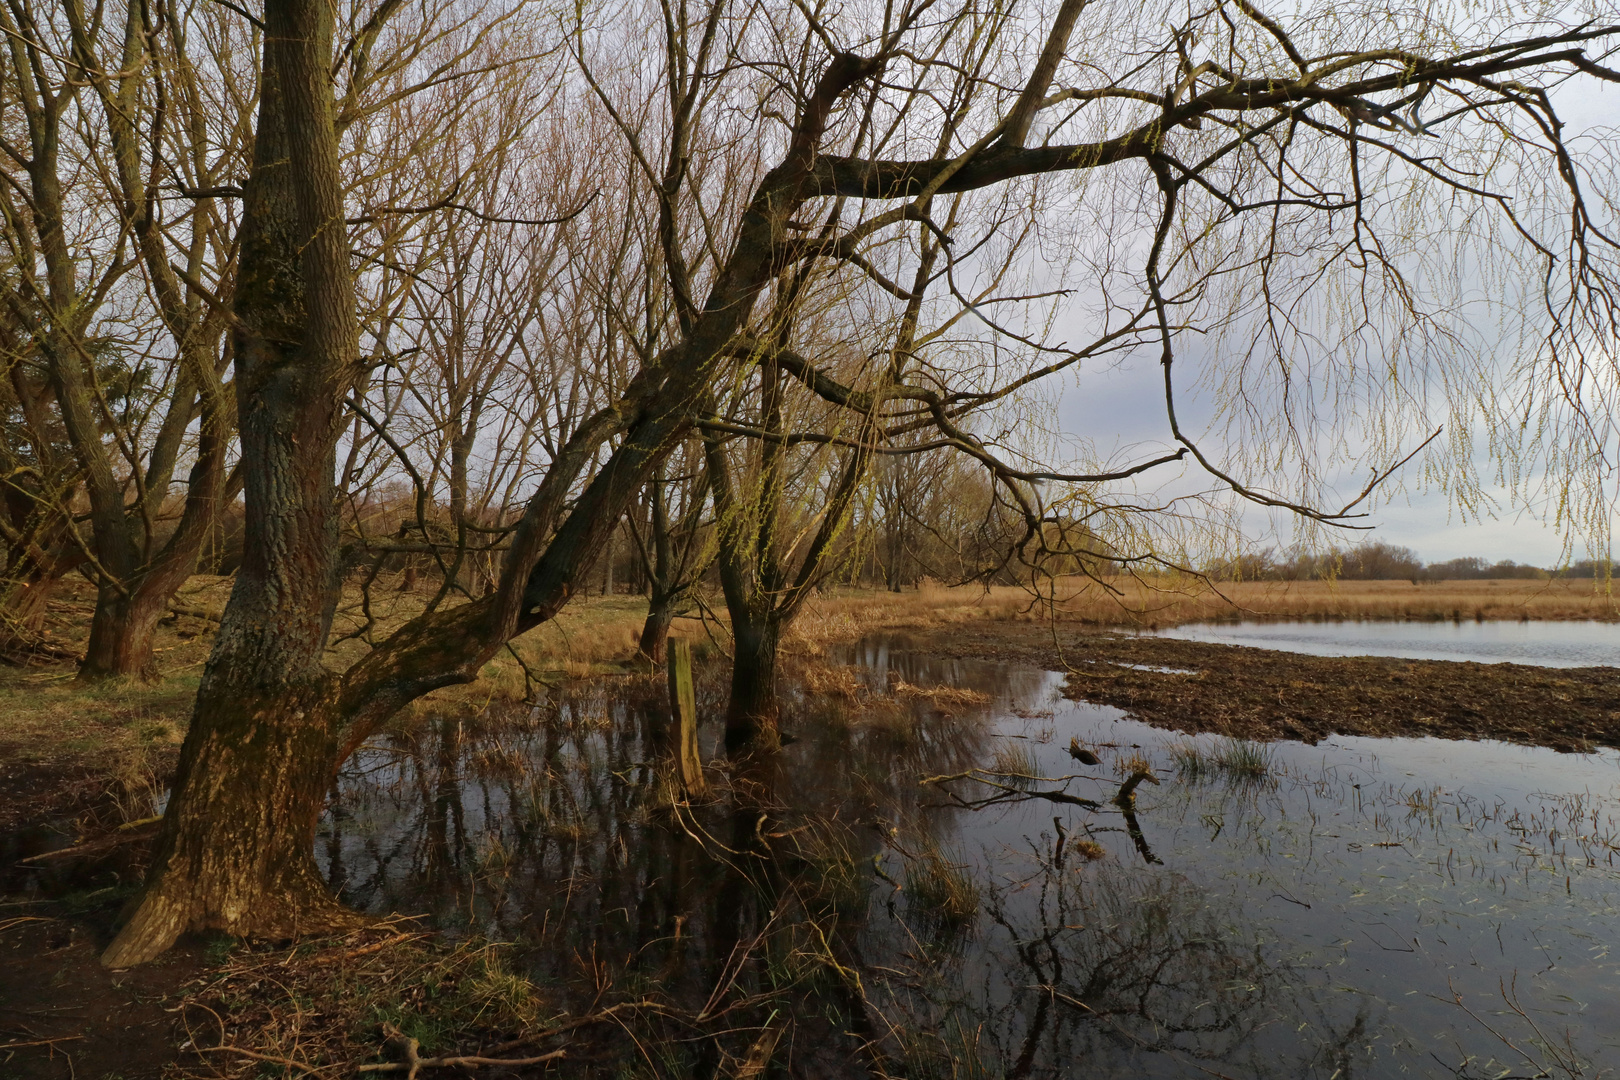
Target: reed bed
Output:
[(1162, 602)]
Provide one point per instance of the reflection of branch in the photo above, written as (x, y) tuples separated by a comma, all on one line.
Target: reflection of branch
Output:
[(1134, 828), (1008, 792), (1126, 801)]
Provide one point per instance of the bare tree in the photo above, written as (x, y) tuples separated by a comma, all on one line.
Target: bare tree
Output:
[(271, 724), (95, 216)]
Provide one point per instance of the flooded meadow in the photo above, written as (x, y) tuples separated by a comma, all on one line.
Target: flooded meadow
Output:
[(954, 870)]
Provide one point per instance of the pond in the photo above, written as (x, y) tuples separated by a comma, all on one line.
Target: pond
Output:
[(930, 882), (1544, 643)]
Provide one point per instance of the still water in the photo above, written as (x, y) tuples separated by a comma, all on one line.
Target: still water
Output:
[(927, 883), (1585, 643)]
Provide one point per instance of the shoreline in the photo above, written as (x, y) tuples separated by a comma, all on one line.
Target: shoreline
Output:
[(1256, 693)]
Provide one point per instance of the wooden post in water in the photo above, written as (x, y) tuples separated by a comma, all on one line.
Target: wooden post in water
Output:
[(683, 707)]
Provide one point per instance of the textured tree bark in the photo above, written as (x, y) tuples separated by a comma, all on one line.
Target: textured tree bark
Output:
[(236, 850), (122, 632), (655, 631)]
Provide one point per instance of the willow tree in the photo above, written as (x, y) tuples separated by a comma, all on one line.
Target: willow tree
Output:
[(1207, 104), (114, 109)]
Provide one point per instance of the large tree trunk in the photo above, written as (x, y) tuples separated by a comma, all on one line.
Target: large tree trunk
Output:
[(237, 850), (752, 714), (266, 738)]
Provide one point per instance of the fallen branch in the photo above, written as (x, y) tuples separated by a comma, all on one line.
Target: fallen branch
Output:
[(39, 1042), (313, 1070), (364, 950), (124, 834), (1127, 790), (414, 1062), (194, 612)]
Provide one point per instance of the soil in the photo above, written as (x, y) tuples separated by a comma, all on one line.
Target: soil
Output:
[(1265, 694), (63, 1015)]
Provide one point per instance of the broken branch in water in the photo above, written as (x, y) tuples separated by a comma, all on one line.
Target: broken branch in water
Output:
[(1008, 792), (1127, 790)]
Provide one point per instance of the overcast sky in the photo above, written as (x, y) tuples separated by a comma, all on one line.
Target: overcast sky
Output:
[(1123, 407)]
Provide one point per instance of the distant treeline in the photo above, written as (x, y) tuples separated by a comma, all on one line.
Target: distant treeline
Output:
[(1386, 562)]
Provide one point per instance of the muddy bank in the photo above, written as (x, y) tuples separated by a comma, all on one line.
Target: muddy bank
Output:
[(1266, 694)]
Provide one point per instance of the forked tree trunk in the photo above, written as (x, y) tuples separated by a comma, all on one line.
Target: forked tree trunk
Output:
[(122, 633), (655, 631), (753, 712)]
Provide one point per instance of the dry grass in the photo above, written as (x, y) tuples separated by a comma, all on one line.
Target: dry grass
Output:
[(49, 717), (1170, 603), (323, 1007), (845, 614)]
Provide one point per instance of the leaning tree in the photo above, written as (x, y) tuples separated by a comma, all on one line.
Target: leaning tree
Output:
[(1209, 126)]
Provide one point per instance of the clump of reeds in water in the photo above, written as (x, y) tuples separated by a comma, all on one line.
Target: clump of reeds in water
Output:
[(1237, 758), (1191, 761), (1245, 759), (952, 695), (1013, 765), (832, 680), (834, 882), (941, 897)]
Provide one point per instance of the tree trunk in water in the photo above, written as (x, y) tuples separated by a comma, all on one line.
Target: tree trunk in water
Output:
[(655, 631), (751, 716), (659, 610)]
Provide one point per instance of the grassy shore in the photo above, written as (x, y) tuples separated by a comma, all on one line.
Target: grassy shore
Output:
[(128, 729)]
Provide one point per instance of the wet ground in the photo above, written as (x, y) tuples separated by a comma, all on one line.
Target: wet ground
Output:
[(932, 880), (1274, 694)]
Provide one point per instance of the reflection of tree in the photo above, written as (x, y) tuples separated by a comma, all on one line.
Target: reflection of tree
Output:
[(723, 927), (556, 828), (1129, 972)]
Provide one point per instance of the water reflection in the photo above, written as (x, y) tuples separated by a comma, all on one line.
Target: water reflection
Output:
[(1543, 643), (927, 883)]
